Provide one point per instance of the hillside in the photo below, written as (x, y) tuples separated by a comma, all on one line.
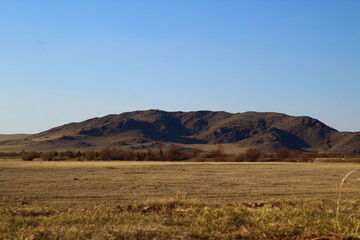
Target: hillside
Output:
[(4, 137), (142, 129)]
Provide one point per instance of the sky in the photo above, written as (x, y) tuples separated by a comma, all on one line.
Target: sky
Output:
[(70, 60)]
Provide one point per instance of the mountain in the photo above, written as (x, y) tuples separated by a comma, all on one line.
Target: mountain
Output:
[(141, 129)]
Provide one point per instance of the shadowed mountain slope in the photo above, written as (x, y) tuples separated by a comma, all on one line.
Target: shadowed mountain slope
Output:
[(266, 131)]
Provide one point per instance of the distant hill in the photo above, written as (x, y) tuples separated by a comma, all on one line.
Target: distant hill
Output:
[(141, 129), (12, 136)]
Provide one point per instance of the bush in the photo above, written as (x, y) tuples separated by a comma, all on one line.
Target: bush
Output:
[(106, 154), (69, 154), (139, 156), (117, 154), (252, 154), (219, 154), (240, 158), (48, 156), (90, 155), (283, 152), (9, 154), (149, 155), (29, 156), (174, 153)]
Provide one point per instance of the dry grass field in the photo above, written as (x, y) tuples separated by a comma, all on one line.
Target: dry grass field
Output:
[(177, 200)]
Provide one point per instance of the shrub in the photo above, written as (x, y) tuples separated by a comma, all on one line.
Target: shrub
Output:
[(128, 155), (252, 154), (29, 156), (106, 154), (139, 156), (240, 158), (149, 155), (9, 154), (307, 157), (117, 154), (283, 152), (218, 154), (48, 156), (174, 153), (69, 154), (90, 155)]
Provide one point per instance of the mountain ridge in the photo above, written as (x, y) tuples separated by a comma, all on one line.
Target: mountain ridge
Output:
[(264, 130)]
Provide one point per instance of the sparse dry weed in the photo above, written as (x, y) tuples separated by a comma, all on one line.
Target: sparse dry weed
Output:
[(174, 219), (109, 200), (347, 224)]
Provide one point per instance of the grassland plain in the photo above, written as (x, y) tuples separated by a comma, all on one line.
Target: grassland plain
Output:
[(177, 200)]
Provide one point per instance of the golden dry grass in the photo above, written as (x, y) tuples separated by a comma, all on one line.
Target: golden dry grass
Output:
[(118, 182), (177, 220), (182, 200)]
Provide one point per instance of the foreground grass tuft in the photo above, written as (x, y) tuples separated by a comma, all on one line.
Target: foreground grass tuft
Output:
[(181, 220)]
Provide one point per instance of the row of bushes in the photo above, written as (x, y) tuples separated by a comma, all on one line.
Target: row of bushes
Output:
[(281, 154), (9, 154), (174, 153)]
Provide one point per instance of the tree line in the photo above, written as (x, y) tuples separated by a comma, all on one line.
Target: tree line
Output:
[(175, 153)]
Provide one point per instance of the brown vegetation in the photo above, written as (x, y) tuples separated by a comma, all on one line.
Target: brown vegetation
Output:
[(252, 154), (179, 200), (174, 219), (28, 156), (175, 153), (219, 154), (9, 154)]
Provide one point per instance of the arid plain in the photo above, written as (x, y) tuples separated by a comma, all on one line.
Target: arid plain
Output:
[(74, 182), (177, 200)]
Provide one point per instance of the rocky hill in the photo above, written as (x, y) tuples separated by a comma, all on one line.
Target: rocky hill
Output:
[(264, 130)]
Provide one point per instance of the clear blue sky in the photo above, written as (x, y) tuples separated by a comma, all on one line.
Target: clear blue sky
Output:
[(70, 60)]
